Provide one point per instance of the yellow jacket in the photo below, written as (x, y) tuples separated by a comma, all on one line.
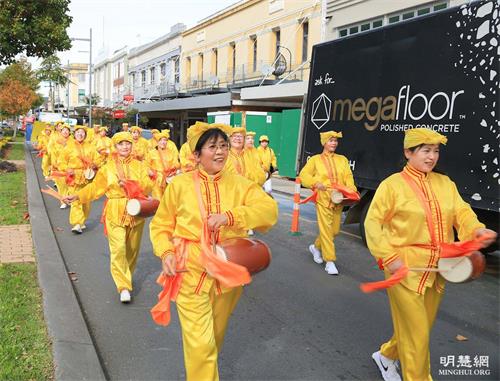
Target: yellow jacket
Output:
[(78, 157), (316, 170), (178, 215), (244, 164), (55, 148), (186, 158), (106, 182), (162, 160), (396, 222), (140, 148), (42, 141), (267, 158), (103, 147)]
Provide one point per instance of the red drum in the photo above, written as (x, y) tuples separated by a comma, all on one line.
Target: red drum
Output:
[(462, 269), (142, 208), (253, 254), (339, 199)]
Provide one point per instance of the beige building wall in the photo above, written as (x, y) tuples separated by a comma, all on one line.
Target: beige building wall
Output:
[(344, 13), (232, 33), (78, 86)]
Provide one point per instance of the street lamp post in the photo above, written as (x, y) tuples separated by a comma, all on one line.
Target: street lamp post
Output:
[(90, 72)]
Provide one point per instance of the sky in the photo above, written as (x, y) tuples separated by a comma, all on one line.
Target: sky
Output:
[(119, 23)]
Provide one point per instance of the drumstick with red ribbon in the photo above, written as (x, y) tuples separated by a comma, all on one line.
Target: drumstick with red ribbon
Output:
[(448, 250), (52, 192)]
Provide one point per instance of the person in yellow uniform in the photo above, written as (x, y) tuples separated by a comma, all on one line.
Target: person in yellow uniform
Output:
[(140, 146), (174, 151), (250, 146), (242, 162), (398, 233), (55, 148), (123, 230), (42, 147), (78, 156), (103, 146), (92, 133), (320, 173), (268, 160), (203, 304), (125, 127), (153, 142), (163, 163)]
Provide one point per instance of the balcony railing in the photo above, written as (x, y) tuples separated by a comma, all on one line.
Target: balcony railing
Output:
[(245, 74), (156, 91)]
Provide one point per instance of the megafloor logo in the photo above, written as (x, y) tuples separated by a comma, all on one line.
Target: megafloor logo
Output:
[(406, 105)]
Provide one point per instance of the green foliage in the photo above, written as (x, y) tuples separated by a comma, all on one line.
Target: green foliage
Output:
[(34, 28), (20, 71), (95, 99), (25, 349), (51, 71), (130, 118)]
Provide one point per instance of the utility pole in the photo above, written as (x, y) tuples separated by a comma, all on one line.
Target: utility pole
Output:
[(90, 72), (67, 94)]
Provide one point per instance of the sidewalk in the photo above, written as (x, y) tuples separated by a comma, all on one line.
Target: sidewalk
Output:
[(286, 186)]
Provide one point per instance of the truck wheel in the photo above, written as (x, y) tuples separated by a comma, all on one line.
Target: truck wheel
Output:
[(362, 217)]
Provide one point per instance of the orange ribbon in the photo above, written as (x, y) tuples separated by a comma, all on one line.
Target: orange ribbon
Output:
[(394, 279), (69, 177), (346, 192)]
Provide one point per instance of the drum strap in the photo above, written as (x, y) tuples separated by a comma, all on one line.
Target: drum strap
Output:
[(332, 173), (425, 205), (87, 163), (229, 274), (240, 167)]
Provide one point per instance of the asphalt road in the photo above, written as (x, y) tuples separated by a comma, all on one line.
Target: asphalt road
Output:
[(294, 322)]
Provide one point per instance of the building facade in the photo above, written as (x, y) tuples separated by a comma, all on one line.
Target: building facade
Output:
[(347, 17), (154, 68), (110, 81), (77, 89), (250, 42)]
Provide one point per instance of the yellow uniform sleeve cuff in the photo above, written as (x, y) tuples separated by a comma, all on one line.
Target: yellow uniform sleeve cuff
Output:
[(230, 218), (391, 258), (166, 254)]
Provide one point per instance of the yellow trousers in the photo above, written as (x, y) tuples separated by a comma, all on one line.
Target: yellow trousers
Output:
[(329, 227), (79, 212), (204, 320), (413, 316), (124, 243), (62, 187), (45, 165)]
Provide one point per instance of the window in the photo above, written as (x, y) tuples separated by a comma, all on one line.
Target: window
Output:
[(215, 60), (305, 39), (365, 27), (423, 11), (188, 69), (353, 30), (200, 67), (440, 6), (163, 70), (143, 78), (232, 46), (377, 24), (254, 53), (81, 77), (81, 95), (393, 19), (133, 80), (342, 32), (152, 73), (176, 69), (277, 36), (408, 15)]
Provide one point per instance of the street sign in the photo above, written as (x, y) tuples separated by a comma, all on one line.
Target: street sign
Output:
[(119, 114), (128, 99)]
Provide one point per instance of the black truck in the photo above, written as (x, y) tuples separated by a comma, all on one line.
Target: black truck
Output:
[(439, 71)]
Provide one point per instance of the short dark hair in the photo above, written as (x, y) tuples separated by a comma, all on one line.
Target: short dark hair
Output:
[(207, 135)]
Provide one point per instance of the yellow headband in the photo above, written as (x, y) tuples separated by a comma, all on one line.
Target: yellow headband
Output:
[(135, 128), (325, 136), (155, 131), (164, 134), (199, 128), (121, 137), (264, 137), (417, 136), (236, 130), (80, 127), (104, 128), (250, 133)]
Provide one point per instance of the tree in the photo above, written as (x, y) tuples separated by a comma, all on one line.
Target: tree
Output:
[(35, 28), (51, 71), (16, 98), (20, 71), (95, 99), (131, 117)]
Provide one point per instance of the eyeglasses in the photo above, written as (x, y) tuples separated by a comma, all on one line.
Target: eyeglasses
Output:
[(214, 147)]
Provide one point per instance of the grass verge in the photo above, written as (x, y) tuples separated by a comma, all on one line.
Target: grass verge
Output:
[(15, 152), (13, 204), (25, 350)]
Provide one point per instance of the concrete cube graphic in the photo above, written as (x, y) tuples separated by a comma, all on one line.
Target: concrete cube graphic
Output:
[(321, 111)]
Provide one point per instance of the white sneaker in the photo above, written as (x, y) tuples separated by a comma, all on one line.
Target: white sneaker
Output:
[(77, 229), (250, 232), (83, 226), (386, 366), (331, 269), (63, 206), (316, 254), (125, 296)]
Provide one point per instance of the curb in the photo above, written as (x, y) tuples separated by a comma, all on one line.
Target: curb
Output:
[(75, 356)]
